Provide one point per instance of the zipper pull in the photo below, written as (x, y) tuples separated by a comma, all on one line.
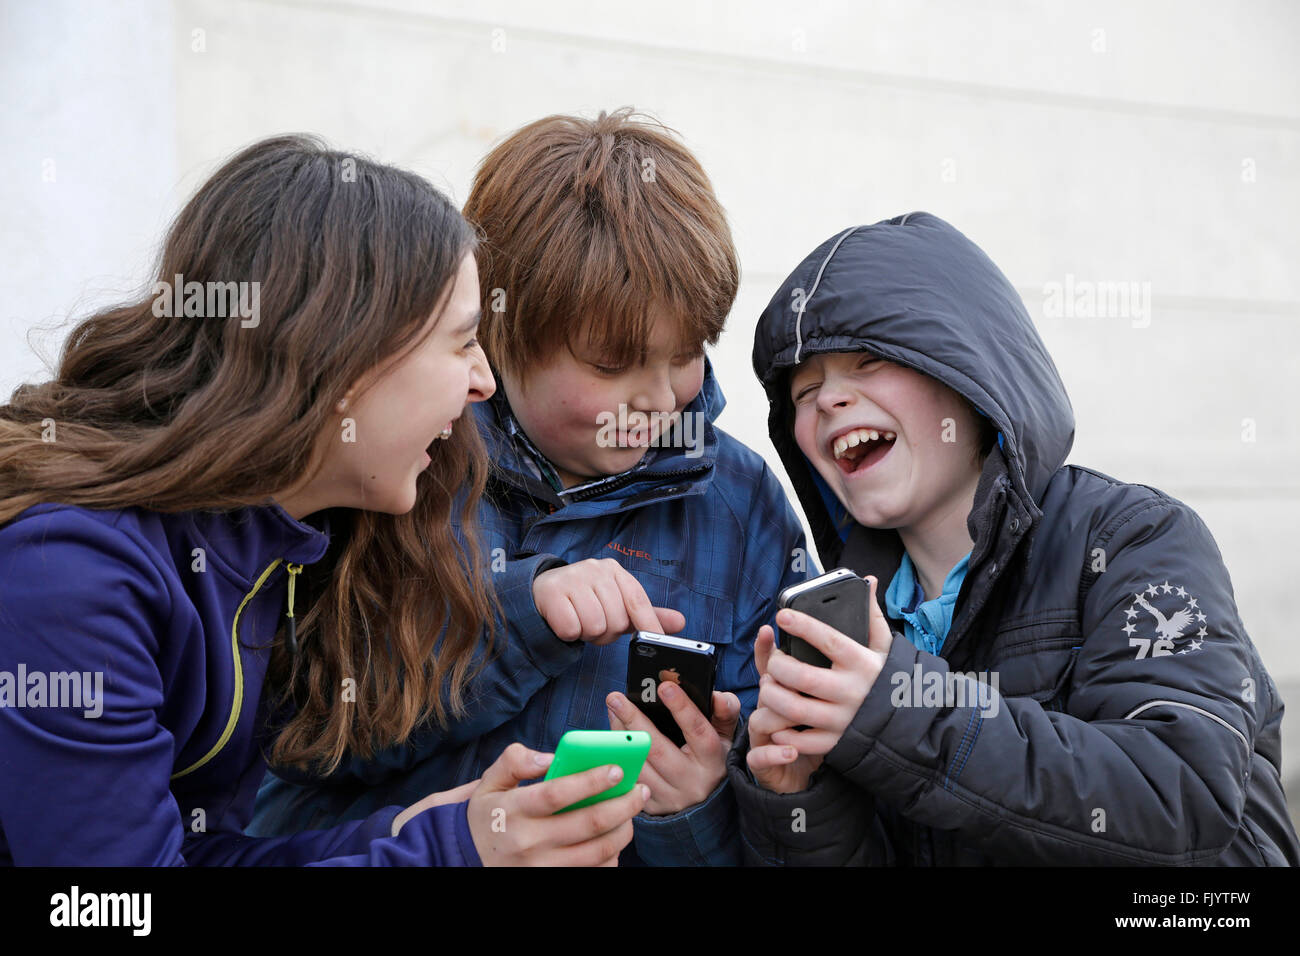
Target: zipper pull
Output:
[(291, 629)]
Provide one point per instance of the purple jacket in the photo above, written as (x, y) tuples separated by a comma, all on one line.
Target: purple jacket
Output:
[(133, 647)]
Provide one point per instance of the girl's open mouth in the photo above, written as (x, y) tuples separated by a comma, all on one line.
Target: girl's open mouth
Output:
[(861, 451)]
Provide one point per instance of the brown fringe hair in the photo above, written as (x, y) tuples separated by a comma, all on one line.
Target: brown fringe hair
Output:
[(176, 414), (587, 227)]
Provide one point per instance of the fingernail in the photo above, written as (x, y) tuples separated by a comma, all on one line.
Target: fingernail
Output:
[(615, 702), (645, 792), (615, 774), (789, 753), (783, 616), (669, 690), (543, 760)]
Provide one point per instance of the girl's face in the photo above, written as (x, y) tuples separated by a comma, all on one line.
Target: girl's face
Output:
[(920, 465), (394, 415), (565, 405)]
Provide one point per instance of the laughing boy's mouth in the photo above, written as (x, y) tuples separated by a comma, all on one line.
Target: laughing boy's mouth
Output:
[(857, 449)]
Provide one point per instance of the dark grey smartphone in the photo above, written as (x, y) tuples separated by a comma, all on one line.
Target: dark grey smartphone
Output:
[(655, 658), (838, 598)]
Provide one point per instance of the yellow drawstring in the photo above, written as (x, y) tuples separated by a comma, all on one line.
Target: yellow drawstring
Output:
[(291, 629), (293, 576)]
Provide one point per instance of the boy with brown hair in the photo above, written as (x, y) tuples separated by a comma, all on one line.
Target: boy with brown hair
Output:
[(607, 267)]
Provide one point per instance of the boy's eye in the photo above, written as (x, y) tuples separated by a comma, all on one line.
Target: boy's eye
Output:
[(470, 344), (609, 369), (806, 391)]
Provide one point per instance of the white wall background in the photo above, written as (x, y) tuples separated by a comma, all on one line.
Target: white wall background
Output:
[(1156, 143)]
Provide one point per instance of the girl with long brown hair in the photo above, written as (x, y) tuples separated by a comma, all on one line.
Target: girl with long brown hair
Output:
[(297, 368)]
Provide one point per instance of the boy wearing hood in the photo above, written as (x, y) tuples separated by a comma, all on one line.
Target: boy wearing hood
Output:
[(1056, 672), (615, 504)]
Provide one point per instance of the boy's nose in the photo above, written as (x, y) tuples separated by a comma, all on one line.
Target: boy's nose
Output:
[(655, 394), (833, 394)]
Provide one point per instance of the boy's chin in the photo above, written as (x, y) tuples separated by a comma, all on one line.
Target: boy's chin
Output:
[(615, 460), (610, 462), (870, 517)]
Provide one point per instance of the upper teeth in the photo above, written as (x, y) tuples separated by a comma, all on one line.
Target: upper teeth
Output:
[(857, 437)]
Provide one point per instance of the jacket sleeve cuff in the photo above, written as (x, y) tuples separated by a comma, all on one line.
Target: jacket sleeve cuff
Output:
[(464, 838), (828, 824), (705, 834), (379, 824), (440, 836), (550, 655)]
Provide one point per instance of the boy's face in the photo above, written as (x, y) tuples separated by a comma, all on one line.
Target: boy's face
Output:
[(923, 462), (566, 405)]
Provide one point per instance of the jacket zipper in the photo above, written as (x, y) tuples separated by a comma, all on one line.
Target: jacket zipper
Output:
[(238, 703), (628, 479)]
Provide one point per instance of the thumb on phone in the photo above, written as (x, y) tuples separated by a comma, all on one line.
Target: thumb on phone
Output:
[(879, 636), (513, 767), (726, 714), (763, 646)]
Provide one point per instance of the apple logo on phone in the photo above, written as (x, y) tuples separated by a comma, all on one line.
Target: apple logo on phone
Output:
[(670, 675)]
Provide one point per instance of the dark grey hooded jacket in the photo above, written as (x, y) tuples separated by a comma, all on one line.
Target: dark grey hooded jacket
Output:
[(1121, 731)]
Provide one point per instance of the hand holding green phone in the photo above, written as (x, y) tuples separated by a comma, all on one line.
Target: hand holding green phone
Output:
[(581, 750), (518, 824)]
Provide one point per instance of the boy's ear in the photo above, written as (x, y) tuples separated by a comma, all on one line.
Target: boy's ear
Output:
[(988, 436)]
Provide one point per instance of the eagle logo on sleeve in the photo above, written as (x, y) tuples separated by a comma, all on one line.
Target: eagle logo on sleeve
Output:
[(1159, 617)]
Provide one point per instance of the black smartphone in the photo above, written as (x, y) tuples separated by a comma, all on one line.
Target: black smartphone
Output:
[(655, 658), (838, 598)]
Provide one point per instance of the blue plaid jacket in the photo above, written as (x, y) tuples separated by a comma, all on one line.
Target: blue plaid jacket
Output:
[(707, 531)]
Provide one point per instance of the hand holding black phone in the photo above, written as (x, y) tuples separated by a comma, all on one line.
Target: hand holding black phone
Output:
[(838, 598), (655, 658)]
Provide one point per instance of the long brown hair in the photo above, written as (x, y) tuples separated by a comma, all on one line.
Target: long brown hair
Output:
[(175, 414), (589, 224)]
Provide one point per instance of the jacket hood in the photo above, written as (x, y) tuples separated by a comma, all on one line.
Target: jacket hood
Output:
[(915, 291)]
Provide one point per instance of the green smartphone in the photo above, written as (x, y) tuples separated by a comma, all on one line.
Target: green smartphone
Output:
[(581, 750)]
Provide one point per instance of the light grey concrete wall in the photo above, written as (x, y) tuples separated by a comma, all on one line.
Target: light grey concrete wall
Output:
[(1156, 143), (88, 166)]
